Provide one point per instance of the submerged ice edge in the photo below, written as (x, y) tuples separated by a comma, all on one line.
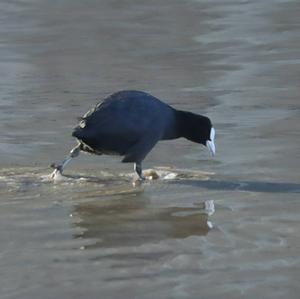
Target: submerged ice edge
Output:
[(152, 174), (34, 178)]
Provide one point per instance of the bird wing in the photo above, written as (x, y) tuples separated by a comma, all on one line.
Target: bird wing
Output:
[(129, 123), (117, 131)]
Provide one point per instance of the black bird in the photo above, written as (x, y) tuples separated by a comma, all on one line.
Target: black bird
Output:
[(130, 123)]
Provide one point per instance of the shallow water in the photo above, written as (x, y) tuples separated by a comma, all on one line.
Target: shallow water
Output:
[(94, 233)]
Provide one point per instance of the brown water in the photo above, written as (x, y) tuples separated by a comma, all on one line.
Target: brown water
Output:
[(95, 235)]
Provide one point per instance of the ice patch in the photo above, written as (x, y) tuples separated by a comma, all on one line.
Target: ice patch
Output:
[(169, 173)]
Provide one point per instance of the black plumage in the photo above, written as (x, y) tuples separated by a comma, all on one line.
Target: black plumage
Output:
[(130, 123)]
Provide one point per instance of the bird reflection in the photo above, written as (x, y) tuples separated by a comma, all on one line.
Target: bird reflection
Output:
[(131, 220)]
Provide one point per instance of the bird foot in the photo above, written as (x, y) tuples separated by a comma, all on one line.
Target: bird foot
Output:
[(56, 172), (56, 166), (138, 180)]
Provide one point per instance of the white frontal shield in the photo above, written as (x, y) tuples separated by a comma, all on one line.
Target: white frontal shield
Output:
[(210, 144)]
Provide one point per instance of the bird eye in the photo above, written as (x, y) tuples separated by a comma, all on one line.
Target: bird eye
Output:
[(82, 124)]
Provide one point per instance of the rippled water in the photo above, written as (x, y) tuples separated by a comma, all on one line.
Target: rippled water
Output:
[(96, 235)]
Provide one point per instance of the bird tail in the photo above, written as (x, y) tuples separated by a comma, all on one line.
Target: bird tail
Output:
[(78, 133)]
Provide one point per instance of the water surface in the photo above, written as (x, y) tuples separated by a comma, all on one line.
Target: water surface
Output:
[(97, 235)]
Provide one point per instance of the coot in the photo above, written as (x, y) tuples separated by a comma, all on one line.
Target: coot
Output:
[(129, 123)]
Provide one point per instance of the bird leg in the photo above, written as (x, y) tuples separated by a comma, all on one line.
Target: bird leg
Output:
[(58, 168), (138, 170)]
